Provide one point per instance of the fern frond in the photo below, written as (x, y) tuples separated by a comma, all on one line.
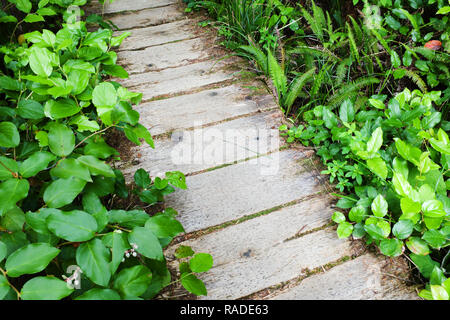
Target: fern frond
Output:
[(295, 88), (258, 55), (319, 16), (381, 40), (318, 52), (342, 71), (417, 80), (350, 90), (352, 43), (358, 31), (277, 74), (319, 80), (315, 26)]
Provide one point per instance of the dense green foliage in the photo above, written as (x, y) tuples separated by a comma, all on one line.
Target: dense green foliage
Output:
[(366, 84), (60, 209)]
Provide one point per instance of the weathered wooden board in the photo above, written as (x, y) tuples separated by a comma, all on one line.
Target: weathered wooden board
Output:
[(128, 5), (168, 55), (204, 107), (358, 279), (145, 17), (157, 35), (279, 263), (180, 80), (232, 192), (204, 148), (255, 236)]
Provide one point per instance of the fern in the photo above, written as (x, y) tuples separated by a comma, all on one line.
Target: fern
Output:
[(352, 43), (381, 40), (358, 31), (257, 55), (416, 79), (315, 26), (342, 70), (350, 90), (318, 52), (295, 88), (319, 80), (277, 74)]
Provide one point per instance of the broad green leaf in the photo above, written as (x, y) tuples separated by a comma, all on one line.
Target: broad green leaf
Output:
[(73, 225), (378, 166), (37, 162), (63, 191), (201, 262), (23, 5), (12, 191), (40, 61), (117, 242), (71, 168), (100, 150), (164, 226), (94, 258), (377, 103), (418, 246), (379, 206), (4, 287), (30, 18), (357, 214), (84, 124), (142, 178), (391, 247), (104, 96), (424, 263), (129, 219), (148, 244), (62, 108), (61, 140), (99, 294), (375, 141), (45, 288), (11, 165), (401, 185), (9, 136), (30, 259), (3, 251), (96, 166), (183, 252), (409, 206), (134, 281), (433, 209), (13, 220), (344, 230), (403, 229), (192, 284), (435, 238), (338, 217), (177, 179), (38, 220), (439, 293), (79, 80), (346, 111), (30, 109), (375, 231)]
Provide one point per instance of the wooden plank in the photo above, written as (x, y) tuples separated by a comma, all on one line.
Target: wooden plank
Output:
[(204, 107), (256, 236), (203, 148), (232, 192), (164, 56), (280, 263), (180, 80), (157, 35), (128, 5), (358, 279), (145, 17)]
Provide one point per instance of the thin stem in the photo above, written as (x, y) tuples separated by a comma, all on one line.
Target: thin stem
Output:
[(9, 283), (91, 135), (14, 174)]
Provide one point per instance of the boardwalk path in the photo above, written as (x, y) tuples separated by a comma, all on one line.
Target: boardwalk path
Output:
[(258, 207)]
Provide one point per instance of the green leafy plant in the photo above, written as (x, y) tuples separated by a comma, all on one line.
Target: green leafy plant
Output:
[(63, 230)]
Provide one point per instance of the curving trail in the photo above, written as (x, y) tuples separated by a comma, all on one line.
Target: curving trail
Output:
[(260, 208)]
